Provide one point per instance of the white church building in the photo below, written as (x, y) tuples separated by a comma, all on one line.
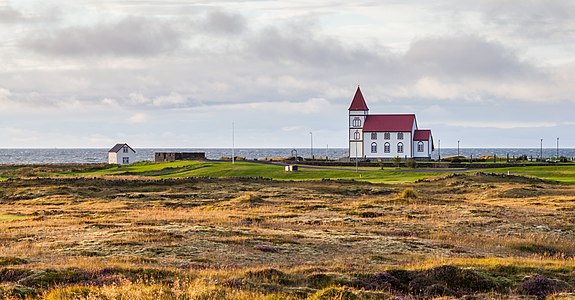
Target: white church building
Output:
[(385, 136)]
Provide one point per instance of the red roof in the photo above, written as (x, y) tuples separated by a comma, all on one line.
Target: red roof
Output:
[(393, 123), (422, 135), (358, 102)]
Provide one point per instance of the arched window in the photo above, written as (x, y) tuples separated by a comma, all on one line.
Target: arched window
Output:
[(386, 136), (400, 147), (373, 147), (374, 135), (386, 148), (400, 135), (357, 122), (356, 135), (420, 147)]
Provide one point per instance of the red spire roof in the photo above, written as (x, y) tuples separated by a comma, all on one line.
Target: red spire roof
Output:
[(358, 102)]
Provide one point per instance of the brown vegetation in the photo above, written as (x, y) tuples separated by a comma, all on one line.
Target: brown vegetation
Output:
[(64, 238)]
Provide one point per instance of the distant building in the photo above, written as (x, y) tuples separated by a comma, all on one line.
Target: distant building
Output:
[(385, 136), (121, 154), (173, 156)]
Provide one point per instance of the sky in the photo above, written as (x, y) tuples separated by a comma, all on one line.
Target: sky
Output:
[(178, 74)]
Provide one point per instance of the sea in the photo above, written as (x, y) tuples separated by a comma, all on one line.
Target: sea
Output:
[(100, 155)]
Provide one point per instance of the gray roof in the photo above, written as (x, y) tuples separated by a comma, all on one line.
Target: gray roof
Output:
[(119, 147)]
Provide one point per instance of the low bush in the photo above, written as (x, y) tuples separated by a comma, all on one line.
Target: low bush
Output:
[(334, 293), (541, 286), (408, 194)]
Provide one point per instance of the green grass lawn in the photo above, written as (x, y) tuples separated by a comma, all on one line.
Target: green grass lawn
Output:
[(178, 169), (563, 174), (250, 169)]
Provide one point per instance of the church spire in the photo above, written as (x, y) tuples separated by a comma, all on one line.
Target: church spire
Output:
[(358, 102)]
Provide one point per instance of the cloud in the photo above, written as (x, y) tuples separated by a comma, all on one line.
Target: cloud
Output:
[(9, 15), (138, 118), (222, 22), (132, 36), (541, 19), (301, 43), (465, 56)]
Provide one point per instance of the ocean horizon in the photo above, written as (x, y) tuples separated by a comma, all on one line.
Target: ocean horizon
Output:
[(100, 155)]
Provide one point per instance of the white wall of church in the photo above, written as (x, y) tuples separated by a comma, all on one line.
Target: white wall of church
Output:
[(393, 145), (426, 150)]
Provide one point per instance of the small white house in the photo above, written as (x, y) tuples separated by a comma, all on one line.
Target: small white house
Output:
[(121, 154)]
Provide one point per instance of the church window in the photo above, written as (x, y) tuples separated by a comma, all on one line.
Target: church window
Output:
[(374, 135), (400, 135), (357, 122), (399, 147), (386, 136), (374, 147), (420, 147), (386, 148), (356, 135)]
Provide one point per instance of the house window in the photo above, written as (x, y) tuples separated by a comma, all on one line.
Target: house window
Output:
[(357, 122), (374, 135), (387, 135), (356, 135), (400, 135), (125, 149), (373, 147), (420, 147), (125, 160), (386, 148), (399, 147)]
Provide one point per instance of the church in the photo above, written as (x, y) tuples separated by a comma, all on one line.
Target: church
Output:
[(385, 136)]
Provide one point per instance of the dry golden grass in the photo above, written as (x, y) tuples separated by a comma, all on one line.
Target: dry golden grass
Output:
[(210, 232)]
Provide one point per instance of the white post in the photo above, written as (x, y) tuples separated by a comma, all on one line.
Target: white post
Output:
[(233, 144)]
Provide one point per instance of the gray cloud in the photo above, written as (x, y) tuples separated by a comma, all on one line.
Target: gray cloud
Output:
[(466, 56), (538, 19), (9, 15), (133, 36), (221, 22)]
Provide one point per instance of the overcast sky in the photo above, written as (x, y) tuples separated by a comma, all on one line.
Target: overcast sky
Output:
[(154, 73)]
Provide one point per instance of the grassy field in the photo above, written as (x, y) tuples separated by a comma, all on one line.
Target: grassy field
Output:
[(150, 231), (251, 169)]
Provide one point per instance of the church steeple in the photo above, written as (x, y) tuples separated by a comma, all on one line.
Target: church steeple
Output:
[(358, 103)]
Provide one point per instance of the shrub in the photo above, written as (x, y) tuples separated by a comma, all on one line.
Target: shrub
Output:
[(74, 292), (541, 286), (397, 161), (411, 163), (4, 261), (334, 293), (408, 194), (382, 281), (269, 275)]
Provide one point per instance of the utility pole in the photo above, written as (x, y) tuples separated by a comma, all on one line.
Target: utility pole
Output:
[(557, 148), (233, 144), (457, 148), (311, 144), (541, 150), (439, 149)]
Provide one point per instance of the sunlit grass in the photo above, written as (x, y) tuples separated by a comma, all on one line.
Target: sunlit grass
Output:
[(250, 169), (11, 217)]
